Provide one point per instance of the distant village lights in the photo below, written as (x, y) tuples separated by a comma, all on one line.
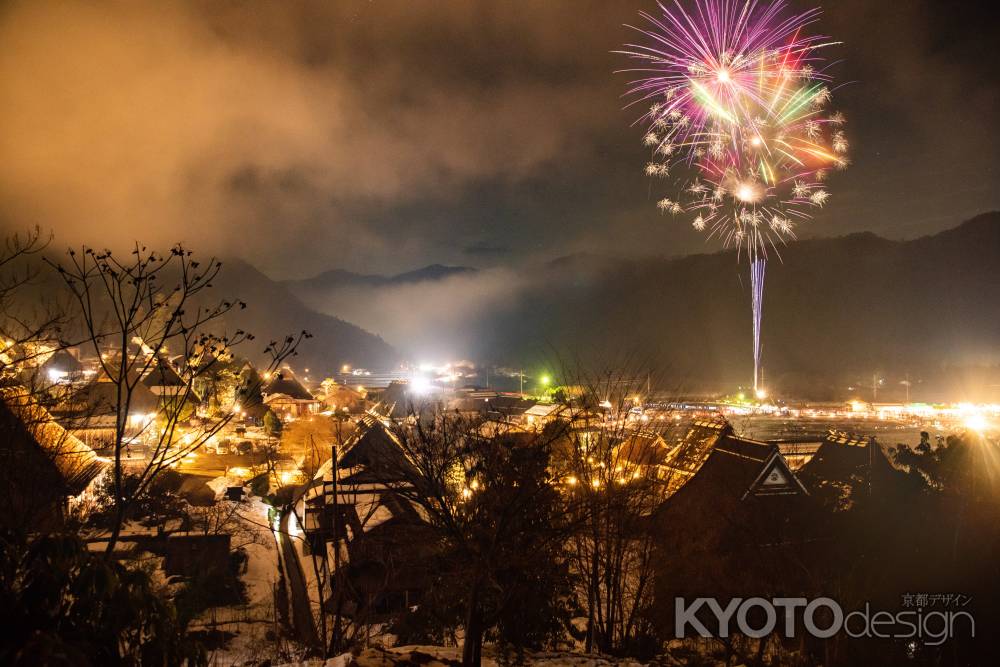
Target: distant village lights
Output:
[(420, 384), (976, 421)]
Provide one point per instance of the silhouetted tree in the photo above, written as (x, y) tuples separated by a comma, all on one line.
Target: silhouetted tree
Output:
[(135, 311), (500, 523), (606, 459), (63, 604), (272, 424)]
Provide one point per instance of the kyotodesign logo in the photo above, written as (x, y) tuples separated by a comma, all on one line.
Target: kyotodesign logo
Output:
[(821, 617)]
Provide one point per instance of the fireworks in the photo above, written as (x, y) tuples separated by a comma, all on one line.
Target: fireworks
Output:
[(737, 96)]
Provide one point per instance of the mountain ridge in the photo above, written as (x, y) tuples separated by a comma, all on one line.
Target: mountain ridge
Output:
[(835, 308), (336, 278)]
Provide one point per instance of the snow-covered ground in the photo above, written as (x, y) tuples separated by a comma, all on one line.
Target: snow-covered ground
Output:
[(435, 656), (249, 622)]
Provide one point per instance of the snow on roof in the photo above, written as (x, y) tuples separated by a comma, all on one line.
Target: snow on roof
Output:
[(163, 374), (544, 410), (285, 382), (76, 464)]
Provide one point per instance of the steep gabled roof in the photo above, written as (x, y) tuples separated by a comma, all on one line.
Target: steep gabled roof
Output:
[(163, 374), (689, 455), (752, 467), (285, 382), (737, 474), (644, 449), (97, 399), (544, 410), (62, 360), (29, 427), (848, 460), (373, 455)]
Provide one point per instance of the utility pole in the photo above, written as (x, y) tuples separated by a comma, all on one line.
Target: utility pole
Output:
[(521, 374), (874, 387), (337, 574), (872, 444)]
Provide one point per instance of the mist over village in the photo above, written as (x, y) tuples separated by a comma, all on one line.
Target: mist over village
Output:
[(583, 334)]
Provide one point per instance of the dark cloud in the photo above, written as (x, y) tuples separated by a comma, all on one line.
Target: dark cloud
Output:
[(484, 249), (381, 135)]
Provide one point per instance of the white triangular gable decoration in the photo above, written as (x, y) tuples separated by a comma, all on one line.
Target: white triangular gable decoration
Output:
[(775, 477)]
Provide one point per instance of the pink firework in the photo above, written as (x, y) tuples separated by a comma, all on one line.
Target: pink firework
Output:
[(737, 116)]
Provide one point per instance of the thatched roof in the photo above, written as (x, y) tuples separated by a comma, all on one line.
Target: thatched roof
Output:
[(29, 429), (285, 382), (97, 399), (373, 455), (643, 449), (163, 374)]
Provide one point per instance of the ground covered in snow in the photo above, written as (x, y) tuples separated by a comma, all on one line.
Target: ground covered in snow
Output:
[(446, 656), (250, 628)]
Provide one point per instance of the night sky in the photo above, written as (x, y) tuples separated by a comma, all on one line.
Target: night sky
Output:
[(381, 136)]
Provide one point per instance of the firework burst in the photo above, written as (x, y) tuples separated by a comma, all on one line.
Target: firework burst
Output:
[(737, 100)]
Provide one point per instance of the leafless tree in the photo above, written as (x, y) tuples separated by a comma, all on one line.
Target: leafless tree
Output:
[(491, 501), (135, 312), (26, 321), (609, 461), (227, 517)]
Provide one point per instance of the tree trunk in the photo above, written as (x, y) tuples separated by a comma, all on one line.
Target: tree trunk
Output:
[(593, 588), (113, 539), (472, 646), (761, 647), (119, 480), (592, 599), (116, 529)]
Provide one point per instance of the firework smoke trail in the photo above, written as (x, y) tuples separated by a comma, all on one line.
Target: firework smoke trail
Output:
[(757, 268), (737, 117)]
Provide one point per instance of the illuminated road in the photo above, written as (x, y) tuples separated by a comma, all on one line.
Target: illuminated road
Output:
[(763, 427), (206, 464), (302, 616)]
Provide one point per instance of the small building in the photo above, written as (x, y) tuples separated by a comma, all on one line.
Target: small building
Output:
[(641, 451), (287, 397), (846, 464), (342, 398), (361, 513), (63, 366), (90, 412), (541, 414), (163, 379)]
